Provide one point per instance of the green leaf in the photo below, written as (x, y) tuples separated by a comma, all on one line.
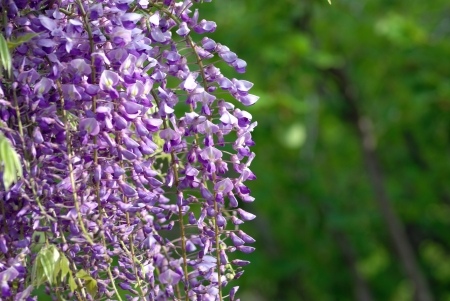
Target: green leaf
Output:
[(5, 55), (21, 39), (91, 287), (56, 272), (37, 275), (11, 162), (82, 274), (64, 265), (90, 283), (49, 259), (72, 284)]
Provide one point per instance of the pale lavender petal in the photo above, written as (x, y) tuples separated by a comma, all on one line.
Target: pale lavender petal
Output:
[(90, 125), (224, 186), (108, 80)]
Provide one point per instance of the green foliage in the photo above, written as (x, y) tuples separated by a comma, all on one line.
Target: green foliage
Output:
[(52, 266), (89, 282), (313, 181), (5, 55), (12, 167), (20, 40)]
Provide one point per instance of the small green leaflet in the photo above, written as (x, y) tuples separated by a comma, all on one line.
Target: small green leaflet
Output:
[(21, 39), (49, 263), (49, 260), (6, 46), (90, 283), (64, 265), (73, 285), (11, 162), (5, 56)]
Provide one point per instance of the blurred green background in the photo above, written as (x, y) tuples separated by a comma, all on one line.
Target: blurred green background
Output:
[(352, 144)]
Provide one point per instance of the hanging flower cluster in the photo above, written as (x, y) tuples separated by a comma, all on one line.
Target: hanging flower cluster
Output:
[(133, 164)]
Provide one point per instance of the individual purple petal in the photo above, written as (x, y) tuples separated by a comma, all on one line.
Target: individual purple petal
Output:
[(228, 118), (37, 135), (108, 80), (224, 186), (169, 277), (220, 220), (24, 294), (90, 125), (246, 216), (228, 56), (129, 20), (157, 35), (136, 89), (239, 65), (206, 194), (91, 89), (236, 240), (6, 290), (127, 190), (96, 11), (129, 142), (246, 249), (127, 67), (240, 263), (189, 83), (246, 198), (152, 124), (245, 237), (47, 22), (121, 36), (9, 274), (132, 107), (205, 26), (81, 66), (207, 128), (119, 122), (210, 154), (71, 92), (233, 200), (242, 86), (43, 86), (183, 29), (208, 44), (233, 292), (190, 247), (3, 245), (127, 154), (169, 134), (225, 83), (248, 100)]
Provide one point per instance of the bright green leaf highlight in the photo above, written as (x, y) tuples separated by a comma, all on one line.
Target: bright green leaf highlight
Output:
[(20, 40), (11, 162), (49, 264), (5, 56), (90, 283)]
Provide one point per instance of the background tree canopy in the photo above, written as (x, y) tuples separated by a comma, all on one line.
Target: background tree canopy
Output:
[(353, 146)]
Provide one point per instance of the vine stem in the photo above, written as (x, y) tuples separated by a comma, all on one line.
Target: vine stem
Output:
[(94, 109), (69, 158), (205, 85), (180, 213)]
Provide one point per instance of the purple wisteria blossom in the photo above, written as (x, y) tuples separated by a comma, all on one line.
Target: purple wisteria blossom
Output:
[(115, 110)]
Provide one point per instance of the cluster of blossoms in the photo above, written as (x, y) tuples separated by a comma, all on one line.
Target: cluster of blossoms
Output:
[(133, 165)]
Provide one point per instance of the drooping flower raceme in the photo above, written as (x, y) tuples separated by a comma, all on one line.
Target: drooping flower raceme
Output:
[(134, 158)]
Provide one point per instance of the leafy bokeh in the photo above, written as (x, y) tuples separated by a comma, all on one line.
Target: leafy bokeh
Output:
[(314, 195)]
